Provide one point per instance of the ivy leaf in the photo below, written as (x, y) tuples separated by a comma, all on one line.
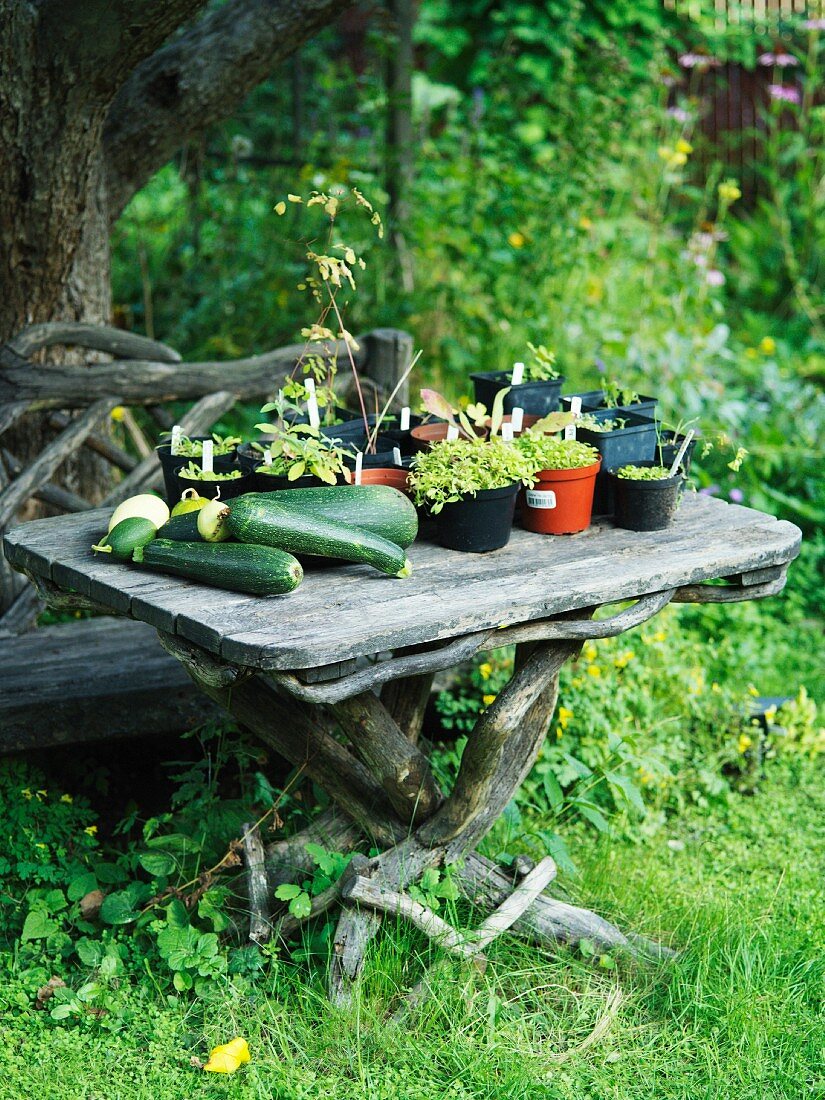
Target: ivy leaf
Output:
[(37, 926), (300, 906), (287, 891)]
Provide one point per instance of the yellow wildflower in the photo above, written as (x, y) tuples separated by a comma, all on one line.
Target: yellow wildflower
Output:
[(280, 208), (645, 777), (40, 845), (594, 670), (665, 152), (577, 681), (565, 714), (90, 830), (488, 700), (729, 191), (744, 742), (714, 687), (753, 691), (659, 636), (624, 659), (559, 733), (678, 160), (585, 222), (517, 240), (117, 413), (27, 793), (485, 671), (684, 147), (589, 652), (67, 798), (751, 353), (767, 345), (228, 1057)]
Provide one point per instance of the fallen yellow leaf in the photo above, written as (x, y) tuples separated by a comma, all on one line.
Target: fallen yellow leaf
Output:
[(228, 1057)]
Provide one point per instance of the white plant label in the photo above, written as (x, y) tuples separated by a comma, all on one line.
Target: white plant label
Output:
[(175, 444), (540, 498), (517, 419), (396, 456), (208, 457), (678, 459), (570, 431), (312, 404), (267, 457), (507, 433), (576, 406), (359, 461), (452, 432), (518, 374), (405, 419)]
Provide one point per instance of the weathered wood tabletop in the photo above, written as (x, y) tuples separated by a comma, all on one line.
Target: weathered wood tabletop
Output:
[(341, 612)]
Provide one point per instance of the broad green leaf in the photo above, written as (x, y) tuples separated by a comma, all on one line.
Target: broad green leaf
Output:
[(552, 788), (629, 789), (301, 906), (119, 908), (287, 891), (594, 816), (157, 864), (81, 886), (37, 926)]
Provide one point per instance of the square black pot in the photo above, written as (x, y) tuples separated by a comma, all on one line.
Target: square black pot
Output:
[(634, 443), (593, 401), (535, 398)]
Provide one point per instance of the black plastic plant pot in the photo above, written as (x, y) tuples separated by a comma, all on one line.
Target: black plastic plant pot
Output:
[(401, 439), (635, 443), (535, 398), (478, 524), (646, 505), (593, 401), (291, 417), (668, 447), (169, 463), (273, 483), (231, 487), (384, 448)]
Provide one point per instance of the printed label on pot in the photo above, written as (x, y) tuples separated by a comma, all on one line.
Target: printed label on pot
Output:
[(541, 498)]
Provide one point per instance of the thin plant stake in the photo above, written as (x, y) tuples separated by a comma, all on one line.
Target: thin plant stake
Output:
[(174, 447), (359, 460), (681, 454), (517, 419), (312, 404), (208, 457), (518, 374)]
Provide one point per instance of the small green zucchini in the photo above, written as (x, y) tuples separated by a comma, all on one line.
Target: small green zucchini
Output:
[(125, 537), (253, 519), (256, 570), (182, 528)]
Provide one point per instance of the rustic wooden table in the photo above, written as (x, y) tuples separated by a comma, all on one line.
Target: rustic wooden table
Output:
[(296, 668)]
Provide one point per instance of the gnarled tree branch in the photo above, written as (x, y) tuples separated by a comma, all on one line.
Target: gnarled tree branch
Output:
[(198, 79)]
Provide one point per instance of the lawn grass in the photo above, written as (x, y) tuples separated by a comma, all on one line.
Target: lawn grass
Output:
[(739, 1014)]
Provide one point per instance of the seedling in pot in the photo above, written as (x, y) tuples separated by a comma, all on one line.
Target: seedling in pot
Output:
[(193, 448), (198, 473)]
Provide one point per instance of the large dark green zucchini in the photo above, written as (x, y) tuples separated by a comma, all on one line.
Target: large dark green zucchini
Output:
[(262, 519), (181, 528), (258, 570), (379, 509)]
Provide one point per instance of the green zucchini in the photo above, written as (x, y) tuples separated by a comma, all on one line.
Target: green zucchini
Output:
[(379, 509), (260, 519), (125, 537), (181, 528), (257, 570)]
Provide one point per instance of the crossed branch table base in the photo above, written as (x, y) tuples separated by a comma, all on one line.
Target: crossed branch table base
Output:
[(353, 652)]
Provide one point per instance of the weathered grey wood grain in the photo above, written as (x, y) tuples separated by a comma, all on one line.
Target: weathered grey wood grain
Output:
[(90, 680), (350, 611), (49, 493), (406, 700), (257, 887), (112, 341), (41, 470), (106, 448), (10, 413)]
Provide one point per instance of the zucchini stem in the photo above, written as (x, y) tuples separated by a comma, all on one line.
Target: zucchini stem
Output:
[(101, 549)]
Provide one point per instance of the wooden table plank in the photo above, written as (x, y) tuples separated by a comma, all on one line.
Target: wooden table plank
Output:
[(342, 612)]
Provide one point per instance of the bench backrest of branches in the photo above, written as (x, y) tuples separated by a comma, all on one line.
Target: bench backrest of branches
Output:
[(78, 400)]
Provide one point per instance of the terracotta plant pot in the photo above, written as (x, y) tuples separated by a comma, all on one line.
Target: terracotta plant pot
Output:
[(561, 502), (394, 476), (436, 430)]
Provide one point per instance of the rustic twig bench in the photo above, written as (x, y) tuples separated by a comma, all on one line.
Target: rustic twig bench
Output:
[(101, 677), (355, 650)]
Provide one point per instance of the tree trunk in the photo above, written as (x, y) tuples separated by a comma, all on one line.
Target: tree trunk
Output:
[(54, 234)]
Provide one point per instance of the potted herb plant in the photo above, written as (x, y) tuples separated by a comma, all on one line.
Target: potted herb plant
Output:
[(538, 390), (560, 502), (297, 457), (191, 448), (615, 397), (470, 486), (647, 496), (619, 439), (669, 441), (211, 483)]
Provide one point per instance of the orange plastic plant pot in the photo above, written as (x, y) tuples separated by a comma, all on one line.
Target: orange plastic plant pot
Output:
[(561, 502), (394, 476)]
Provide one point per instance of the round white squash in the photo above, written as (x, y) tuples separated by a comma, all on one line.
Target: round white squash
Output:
[(143, 506)]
